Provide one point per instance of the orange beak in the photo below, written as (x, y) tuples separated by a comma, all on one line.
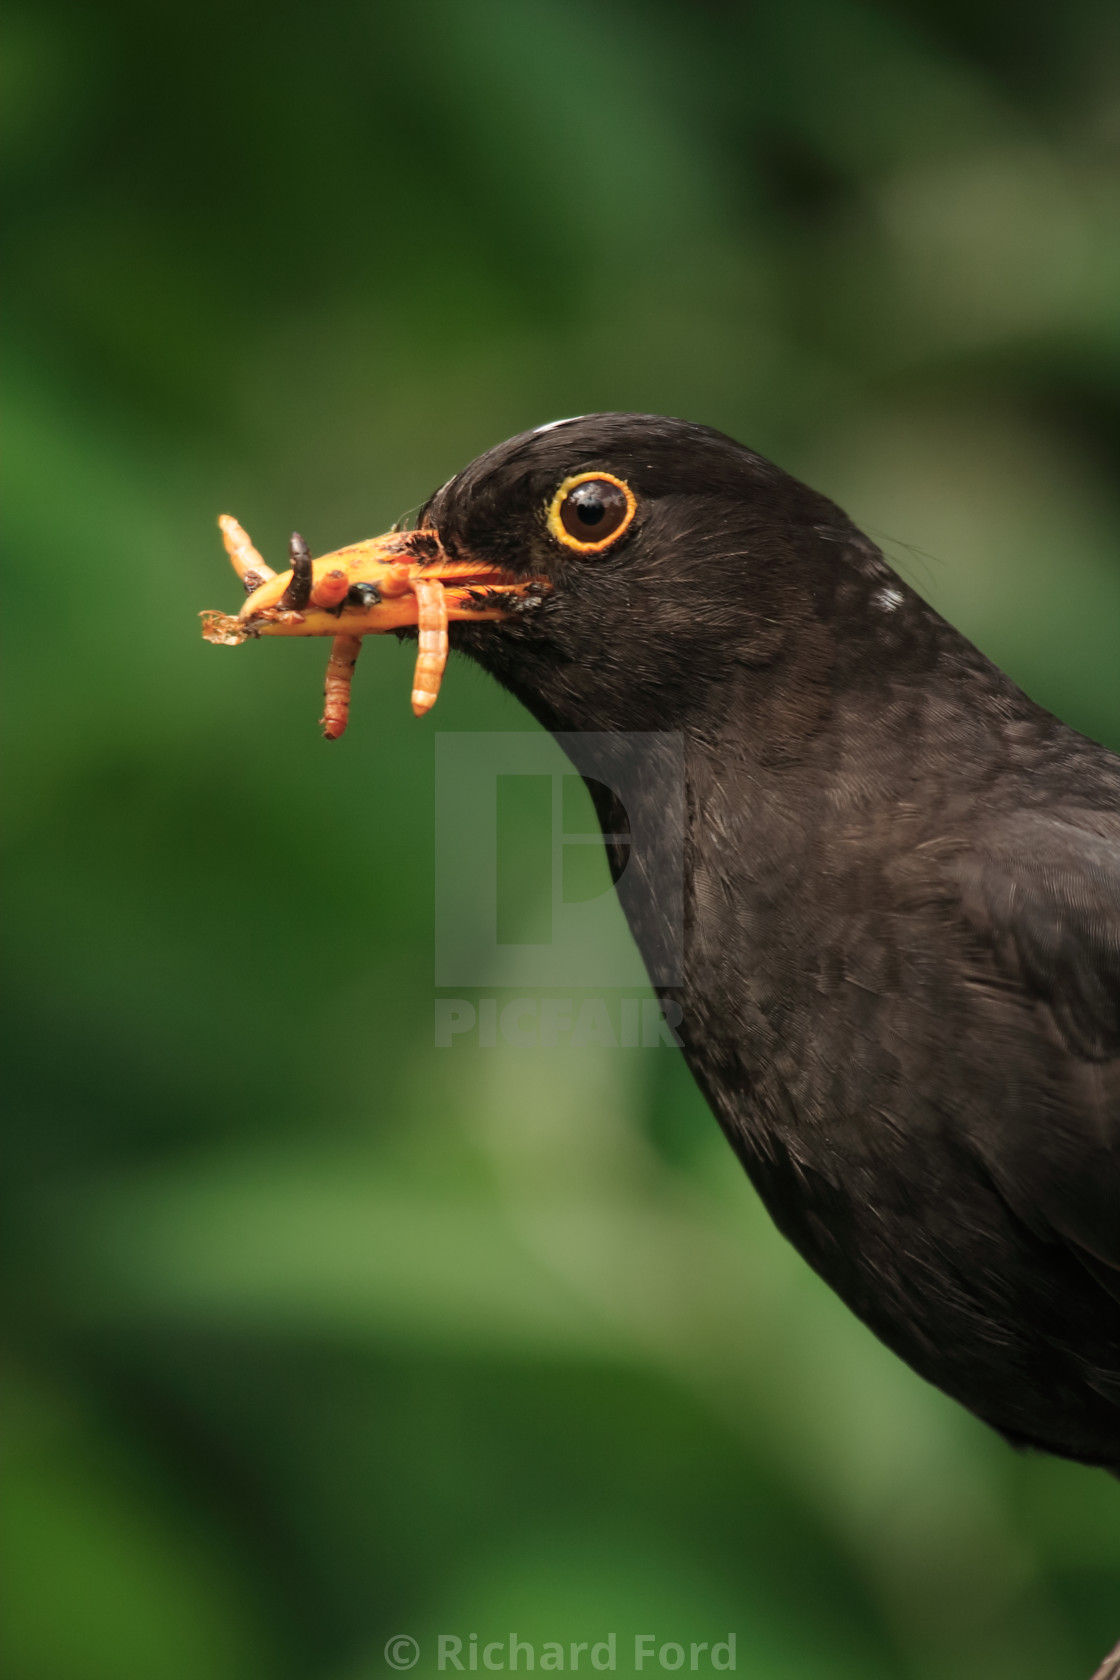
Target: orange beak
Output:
[(386, 583)]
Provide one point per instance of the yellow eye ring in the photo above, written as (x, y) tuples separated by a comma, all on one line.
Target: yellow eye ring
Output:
[(618, 503)]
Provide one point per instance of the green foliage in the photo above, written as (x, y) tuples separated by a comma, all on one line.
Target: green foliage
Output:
[(318, 1337)]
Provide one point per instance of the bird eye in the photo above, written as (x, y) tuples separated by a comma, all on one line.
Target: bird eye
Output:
[(591, 511)]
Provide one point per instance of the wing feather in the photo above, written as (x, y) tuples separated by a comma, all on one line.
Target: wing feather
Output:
[(1041, 896)]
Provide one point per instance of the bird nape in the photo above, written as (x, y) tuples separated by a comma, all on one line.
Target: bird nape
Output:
[(900, 977)]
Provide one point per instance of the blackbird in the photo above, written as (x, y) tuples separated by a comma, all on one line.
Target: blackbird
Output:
[(900, 977)]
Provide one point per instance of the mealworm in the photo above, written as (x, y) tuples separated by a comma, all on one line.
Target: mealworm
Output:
[(247, 563), (336, 688), (331, 589), (431, 624), (298, 592)]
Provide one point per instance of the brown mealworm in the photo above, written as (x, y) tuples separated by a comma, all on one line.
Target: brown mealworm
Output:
[(336, 688)]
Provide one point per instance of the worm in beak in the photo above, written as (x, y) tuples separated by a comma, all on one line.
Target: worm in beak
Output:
[(386, 583)]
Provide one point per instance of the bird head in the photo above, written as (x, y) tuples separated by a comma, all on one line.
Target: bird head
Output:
[(610, 570)]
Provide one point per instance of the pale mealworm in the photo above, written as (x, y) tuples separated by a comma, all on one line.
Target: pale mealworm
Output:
[(431, 624), (331, 589), (247, 563)]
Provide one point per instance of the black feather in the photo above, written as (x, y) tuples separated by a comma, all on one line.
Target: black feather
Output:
[(901, 974)]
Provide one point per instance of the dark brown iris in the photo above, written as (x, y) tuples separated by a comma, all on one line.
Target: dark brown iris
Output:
[(593, 510)]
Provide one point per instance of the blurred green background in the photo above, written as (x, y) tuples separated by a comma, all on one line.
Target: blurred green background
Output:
[(318, 1335)]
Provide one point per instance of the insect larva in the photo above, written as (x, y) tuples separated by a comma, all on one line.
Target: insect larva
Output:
[(331, 589), (293, 605), (298, 592), (336, 688), (431, 622), (247, 563)]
